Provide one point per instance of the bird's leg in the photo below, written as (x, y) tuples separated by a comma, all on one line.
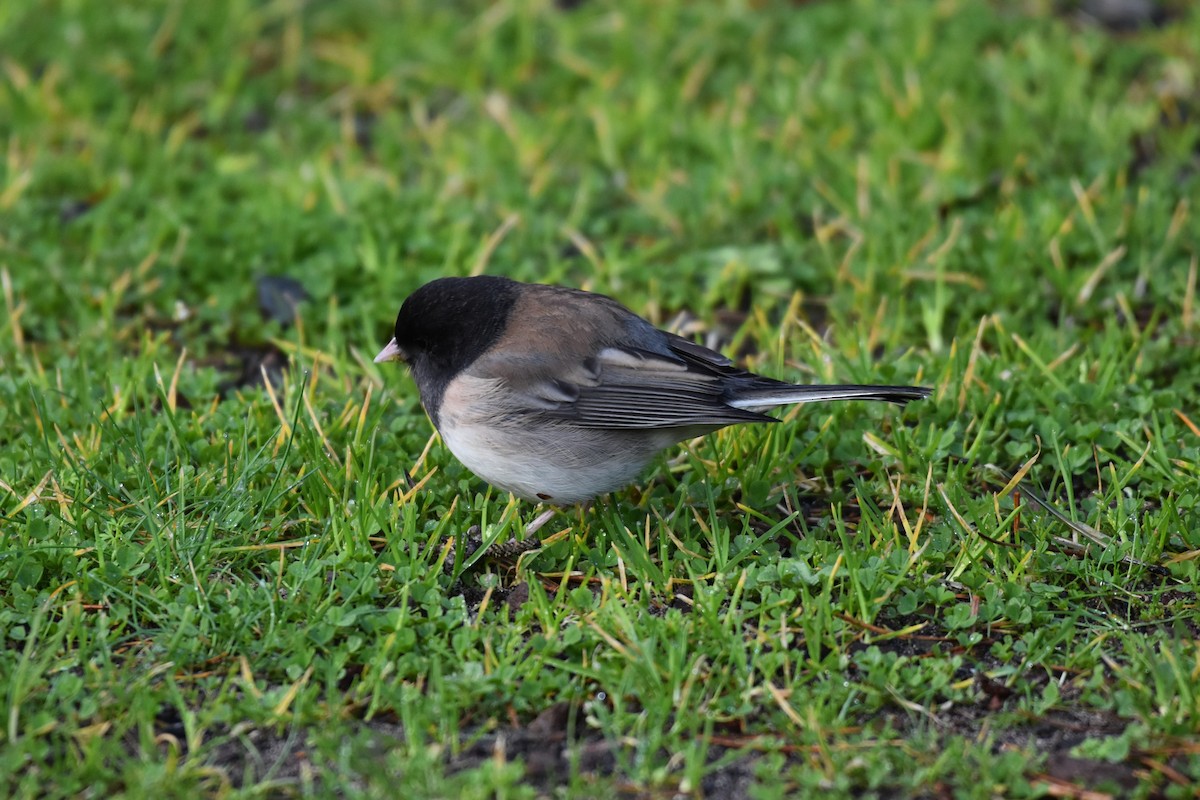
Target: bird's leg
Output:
[(531, 541), (539, 521), (512, 548)]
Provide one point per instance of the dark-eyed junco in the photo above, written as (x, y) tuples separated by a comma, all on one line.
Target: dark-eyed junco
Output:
[(560, 395)]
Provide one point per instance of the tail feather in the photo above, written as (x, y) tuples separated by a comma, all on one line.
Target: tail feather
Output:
[(766, 397)]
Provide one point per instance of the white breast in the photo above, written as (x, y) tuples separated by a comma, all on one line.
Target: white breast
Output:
[(553, 462)]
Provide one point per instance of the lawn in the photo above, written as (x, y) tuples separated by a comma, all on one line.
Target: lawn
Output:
[(236, 563)]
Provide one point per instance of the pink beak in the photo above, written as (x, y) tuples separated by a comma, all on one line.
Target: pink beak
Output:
[(390, 352)]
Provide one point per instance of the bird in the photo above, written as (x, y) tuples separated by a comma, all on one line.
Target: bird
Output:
[(560, 395)]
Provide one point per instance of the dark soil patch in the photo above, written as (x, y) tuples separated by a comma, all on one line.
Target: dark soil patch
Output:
[(557, 745)]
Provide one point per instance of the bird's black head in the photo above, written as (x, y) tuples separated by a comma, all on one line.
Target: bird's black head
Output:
[(447, 324)]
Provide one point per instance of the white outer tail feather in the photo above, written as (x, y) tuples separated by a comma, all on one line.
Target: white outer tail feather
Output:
[(790, 395)]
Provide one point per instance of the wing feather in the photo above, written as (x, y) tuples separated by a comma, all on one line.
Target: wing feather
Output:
[(633, 389), (670, 382)]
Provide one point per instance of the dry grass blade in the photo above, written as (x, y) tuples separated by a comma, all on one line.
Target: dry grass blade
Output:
[(1082, 528)]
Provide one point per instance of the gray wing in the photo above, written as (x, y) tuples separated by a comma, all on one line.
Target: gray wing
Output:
[(642, 378), (638, 389), (629, 389)]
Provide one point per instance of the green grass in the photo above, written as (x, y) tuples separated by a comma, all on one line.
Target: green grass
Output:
[(215, 589)]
